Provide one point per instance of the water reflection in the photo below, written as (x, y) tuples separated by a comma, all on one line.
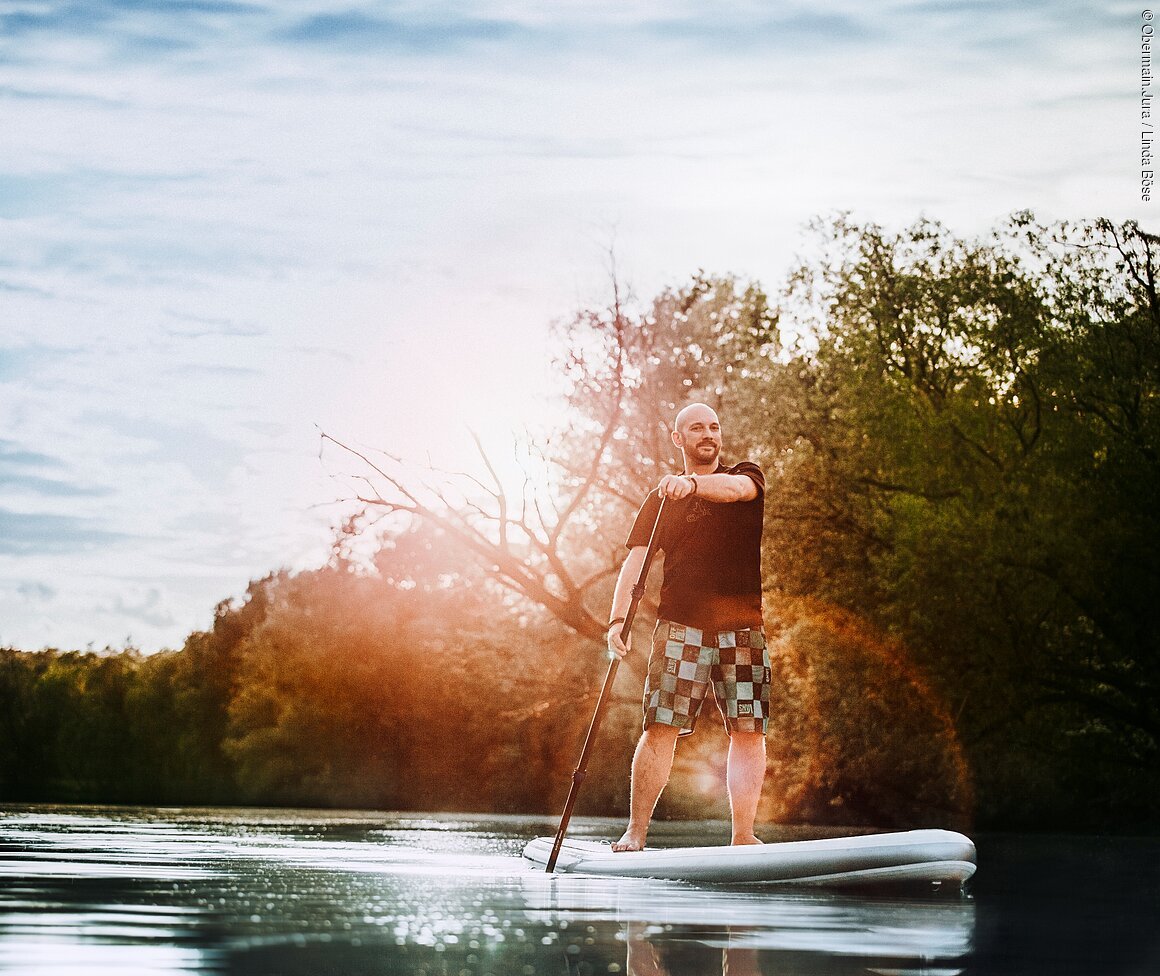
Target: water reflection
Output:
[(140, 891), (819, 931)]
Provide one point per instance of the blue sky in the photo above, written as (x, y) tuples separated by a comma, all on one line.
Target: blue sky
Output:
[(225, 225)]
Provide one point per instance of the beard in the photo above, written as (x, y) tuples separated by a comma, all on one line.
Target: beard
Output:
[(706, 451)]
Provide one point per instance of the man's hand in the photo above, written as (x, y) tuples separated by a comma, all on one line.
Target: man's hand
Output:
[(617, 647), (676, 486)]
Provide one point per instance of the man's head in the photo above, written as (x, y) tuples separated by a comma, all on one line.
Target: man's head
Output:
[(697, 432)]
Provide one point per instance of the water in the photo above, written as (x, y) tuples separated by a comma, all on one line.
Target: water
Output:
[(126, 891)]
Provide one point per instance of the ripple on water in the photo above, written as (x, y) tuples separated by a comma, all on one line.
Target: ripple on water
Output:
[(297, 891)]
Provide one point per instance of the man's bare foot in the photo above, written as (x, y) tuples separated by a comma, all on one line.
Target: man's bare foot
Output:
[(746, 839), (633, 840)]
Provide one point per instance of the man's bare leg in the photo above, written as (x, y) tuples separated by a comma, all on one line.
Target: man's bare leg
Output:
[(651, 765), (745, 774)]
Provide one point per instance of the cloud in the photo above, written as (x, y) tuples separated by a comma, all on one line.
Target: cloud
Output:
[(149, 610), (29, 196), (84, 18), (608, 33), (123, 32), (789, 30), (159, 31), (192, 326), (46, 487), (23, 362), (34, 533), (15, 289), (202, 371), (70, 18), (25, 472), (13, 454), (47, 95), (205, 454), (23, 194), (36, 592), (18, 475), (354, 28)]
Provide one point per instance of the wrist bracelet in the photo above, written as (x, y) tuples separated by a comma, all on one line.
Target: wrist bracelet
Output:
[(613, 623), (693, 479)]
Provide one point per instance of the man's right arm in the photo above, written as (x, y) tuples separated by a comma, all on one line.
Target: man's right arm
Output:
[(622, 597)]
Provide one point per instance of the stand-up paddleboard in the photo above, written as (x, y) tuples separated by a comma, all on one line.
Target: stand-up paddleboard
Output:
[(871, 859)]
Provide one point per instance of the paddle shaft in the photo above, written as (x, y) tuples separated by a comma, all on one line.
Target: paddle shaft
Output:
[(626, 628)]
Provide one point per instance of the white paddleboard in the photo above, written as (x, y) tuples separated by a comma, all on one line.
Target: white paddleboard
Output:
[(871, 859)]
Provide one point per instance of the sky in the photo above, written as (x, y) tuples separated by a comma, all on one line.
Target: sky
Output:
[(228, 226)]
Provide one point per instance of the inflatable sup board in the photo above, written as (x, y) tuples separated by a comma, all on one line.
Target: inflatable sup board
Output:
[(869, 859)]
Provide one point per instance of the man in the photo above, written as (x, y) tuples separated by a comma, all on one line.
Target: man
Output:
[(709, 626)]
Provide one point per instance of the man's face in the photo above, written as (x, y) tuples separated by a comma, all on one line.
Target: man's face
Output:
[(700, 436)]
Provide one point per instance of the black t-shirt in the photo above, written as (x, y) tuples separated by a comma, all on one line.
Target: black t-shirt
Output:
[(712, 577)]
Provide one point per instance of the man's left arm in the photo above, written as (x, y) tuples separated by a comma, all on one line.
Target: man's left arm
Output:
[(726, 487), (722, 487)]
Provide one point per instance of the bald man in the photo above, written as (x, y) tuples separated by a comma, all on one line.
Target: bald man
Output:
[(709, 628)]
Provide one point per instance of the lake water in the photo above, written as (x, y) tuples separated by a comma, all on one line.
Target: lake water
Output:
[(129, 891)]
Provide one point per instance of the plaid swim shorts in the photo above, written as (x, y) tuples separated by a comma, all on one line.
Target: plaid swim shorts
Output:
[(683, 663)]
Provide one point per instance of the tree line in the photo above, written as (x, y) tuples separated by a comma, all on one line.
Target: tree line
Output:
[(960, 446)]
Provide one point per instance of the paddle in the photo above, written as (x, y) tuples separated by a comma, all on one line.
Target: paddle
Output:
[(625, 629)]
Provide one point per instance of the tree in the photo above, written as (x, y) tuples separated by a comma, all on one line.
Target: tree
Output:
[(972, 467), (25, 728), (399, 685)]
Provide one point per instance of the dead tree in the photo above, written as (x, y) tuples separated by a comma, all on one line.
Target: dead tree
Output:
[(550, 543)]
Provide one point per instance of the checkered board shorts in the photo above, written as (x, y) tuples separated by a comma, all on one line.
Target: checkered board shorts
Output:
[(684, 661)]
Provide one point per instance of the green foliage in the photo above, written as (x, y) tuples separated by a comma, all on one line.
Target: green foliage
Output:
[(973, 467), (858, 734), (415, 686), (66, 729), (25, 724)]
